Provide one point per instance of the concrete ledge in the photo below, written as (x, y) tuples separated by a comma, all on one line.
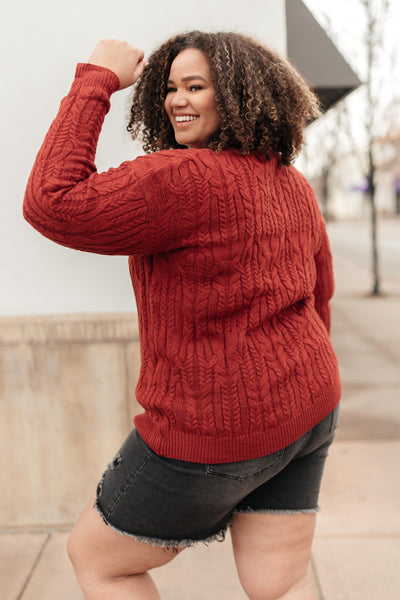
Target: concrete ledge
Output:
[(69, 328), (67, 402)]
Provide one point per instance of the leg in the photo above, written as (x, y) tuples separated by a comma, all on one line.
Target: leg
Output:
[(272, 554), (109, 565)]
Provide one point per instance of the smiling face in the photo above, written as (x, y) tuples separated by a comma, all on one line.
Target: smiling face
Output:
[(190, 100)]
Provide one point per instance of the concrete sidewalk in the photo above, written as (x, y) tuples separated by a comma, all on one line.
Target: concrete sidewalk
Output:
[(357, 546)]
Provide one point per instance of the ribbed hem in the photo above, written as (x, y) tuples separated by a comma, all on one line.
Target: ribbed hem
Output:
[(207, 449)]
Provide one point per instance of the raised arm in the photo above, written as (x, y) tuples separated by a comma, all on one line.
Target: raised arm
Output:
[(122, 211)]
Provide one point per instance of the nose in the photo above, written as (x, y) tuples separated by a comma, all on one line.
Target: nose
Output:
[(179, 99)]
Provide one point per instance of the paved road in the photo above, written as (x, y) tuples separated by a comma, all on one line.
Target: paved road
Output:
[(351, 240)]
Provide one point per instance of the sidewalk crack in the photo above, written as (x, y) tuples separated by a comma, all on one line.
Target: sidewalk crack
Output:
[(317, 581), (33, 569)]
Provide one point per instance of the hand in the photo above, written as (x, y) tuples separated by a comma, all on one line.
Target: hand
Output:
[(125, 60)]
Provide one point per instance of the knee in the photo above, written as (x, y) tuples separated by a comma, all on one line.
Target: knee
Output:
[(268, 586), (74, 550), (86, 567), (82, 556)]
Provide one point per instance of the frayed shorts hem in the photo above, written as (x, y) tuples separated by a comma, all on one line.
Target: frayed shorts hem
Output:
[(277, 511), (219, 536), (174, 504)]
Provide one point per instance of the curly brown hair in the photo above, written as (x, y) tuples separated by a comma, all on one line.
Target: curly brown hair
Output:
[(263, 103)]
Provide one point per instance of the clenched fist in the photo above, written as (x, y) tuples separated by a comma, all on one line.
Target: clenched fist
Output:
[(126, 61)]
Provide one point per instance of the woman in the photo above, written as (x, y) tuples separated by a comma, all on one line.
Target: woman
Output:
[(232, 274)]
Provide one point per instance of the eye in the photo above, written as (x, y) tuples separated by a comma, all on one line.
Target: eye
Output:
[(170, 89), (195, 88)]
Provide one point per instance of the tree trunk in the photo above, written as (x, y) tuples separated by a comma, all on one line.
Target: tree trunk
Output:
[(371, 47), (376, 287), (325, 193)]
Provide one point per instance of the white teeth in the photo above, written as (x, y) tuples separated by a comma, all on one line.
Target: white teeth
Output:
[(183, 118)]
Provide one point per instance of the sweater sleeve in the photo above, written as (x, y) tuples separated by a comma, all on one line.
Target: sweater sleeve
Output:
[(324, 286), (143, 206)]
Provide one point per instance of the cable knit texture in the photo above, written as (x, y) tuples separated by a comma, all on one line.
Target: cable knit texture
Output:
[(232, 273)]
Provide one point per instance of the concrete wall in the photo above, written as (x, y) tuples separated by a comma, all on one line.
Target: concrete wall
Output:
[(40, 43), (67, 402)]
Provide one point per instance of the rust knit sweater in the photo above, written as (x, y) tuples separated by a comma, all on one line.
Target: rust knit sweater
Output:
[(232, 273)]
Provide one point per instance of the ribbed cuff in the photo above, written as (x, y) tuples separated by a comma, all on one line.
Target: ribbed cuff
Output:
[(98, 76)]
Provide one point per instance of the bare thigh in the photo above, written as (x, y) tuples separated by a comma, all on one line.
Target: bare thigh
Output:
[(272, 554), (98, 551)]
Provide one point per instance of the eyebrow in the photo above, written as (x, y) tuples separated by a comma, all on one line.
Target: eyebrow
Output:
[(189, 78)]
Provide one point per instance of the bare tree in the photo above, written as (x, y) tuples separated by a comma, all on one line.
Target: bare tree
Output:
[(375, 12), (389, 164), (374, 51), (388, 148), (324, 150)]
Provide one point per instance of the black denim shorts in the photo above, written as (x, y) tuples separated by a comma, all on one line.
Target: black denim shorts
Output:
[(171, 503)]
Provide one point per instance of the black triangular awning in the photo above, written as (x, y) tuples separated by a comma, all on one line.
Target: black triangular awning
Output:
[(316, 56)]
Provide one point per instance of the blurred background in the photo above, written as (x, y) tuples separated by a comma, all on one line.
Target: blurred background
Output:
[(69, 350)]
